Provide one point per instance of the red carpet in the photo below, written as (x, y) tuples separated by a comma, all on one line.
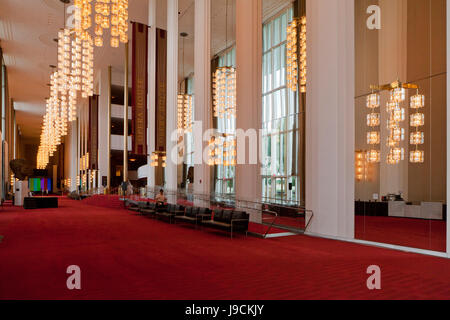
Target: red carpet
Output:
[(124, 256), (415, 233)]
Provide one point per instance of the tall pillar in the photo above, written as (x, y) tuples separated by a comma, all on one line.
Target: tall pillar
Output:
[(202, 93), (104, 126), (14, 135), (249, 97), (72, 154), (172, 80), (125, 117), (78, 149), (151, 105), (108, 148), (330, 123)]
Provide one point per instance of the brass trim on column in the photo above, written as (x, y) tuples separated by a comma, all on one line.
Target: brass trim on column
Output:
[(125, 118)]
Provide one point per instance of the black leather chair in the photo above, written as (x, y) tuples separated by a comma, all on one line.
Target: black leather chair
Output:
[(149, 210), (195, 215), (233, 221), (171, 212)]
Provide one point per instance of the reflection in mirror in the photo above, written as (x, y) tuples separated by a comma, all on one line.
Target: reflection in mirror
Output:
[(400, 118)]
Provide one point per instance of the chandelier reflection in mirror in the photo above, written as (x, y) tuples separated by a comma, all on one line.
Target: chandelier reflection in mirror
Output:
[(395, 129), (360, 165)]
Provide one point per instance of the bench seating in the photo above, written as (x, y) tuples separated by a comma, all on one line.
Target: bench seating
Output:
[(228, 220), (195, 215), (149, 209), (171, 211), (132, 205), (233, 221)]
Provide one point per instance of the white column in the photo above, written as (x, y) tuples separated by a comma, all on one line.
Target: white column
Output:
[(151, 102), (202, 93), (330, 123), (172, 92), (103, 123), (249, 96), (70, 155)]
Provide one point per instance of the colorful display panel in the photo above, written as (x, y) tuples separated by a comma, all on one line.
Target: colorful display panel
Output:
[(40, 184)]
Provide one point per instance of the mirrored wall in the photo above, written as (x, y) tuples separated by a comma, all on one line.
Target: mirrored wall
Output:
[(400, 122)]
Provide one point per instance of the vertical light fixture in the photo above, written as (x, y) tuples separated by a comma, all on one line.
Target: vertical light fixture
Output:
[(224, 86), (417, 137), (360, 165), (184, 114), (396, 116), (296, 55), (396, 132), (373, 122), (158, 158), (108, 14), (74, 73)]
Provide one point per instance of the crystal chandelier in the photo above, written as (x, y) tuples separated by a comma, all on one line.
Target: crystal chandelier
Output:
[(224, 86), (396, 116), (396, 132), (75, 73), (224, 91), (157, 158), (214, 151), (184, 110), (373, 122), (184, 114), (417, 137), (296, 64), (229, 151), (222, 150), (360, 165), (109, 14)]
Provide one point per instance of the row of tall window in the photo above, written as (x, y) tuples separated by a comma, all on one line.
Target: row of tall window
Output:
[(280, 114)]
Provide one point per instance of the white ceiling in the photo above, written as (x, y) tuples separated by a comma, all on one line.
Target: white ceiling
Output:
[(28, 27)]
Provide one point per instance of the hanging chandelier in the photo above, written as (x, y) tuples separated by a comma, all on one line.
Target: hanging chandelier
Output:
[(360, 165), (417, 137), (222, 150), (109, 14), (184, 110), (373, 122), (224, 85), (396, 117), (229, 151), (184, 114), (296, 65), (224, 91), (75, 73), (214, 151), (158, 158)]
